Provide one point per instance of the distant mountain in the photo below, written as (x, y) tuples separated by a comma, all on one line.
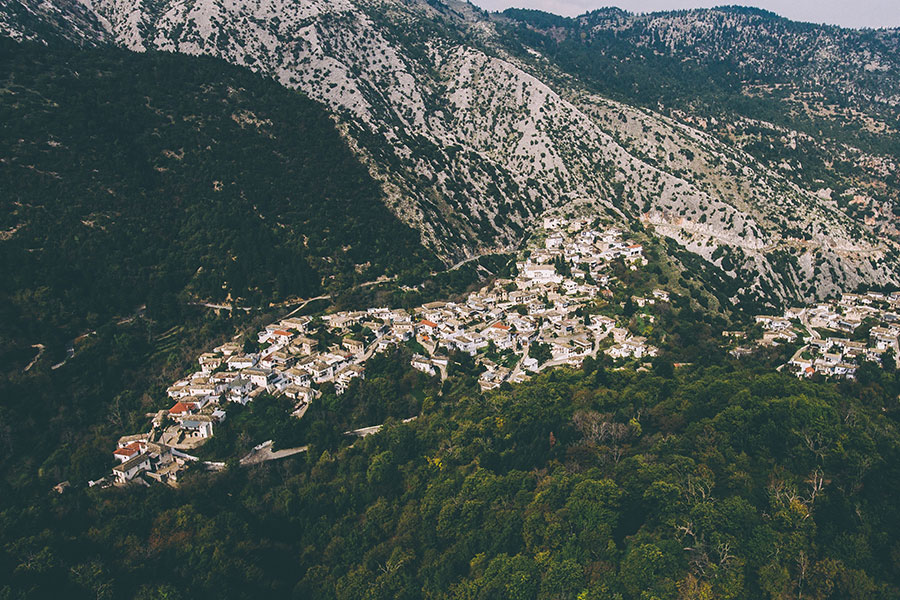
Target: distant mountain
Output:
[(843, 65), (476, 124), (817, 104)]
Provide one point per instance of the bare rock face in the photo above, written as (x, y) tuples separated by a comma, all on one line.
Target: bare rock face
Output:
[(473, 143), (40, 20)]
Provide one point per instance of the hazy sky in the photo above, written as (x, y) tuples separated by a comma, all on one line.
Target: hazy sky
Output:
[(849, 13)]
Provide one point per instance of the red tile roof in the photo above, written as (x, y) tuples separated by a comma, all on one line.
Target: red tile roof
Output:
[(130, 450), (182, 407), (427, 323)]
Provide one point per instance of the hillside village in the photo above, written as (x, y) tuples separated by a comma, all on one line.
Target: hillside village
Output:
[(838, 337), (513, 328)]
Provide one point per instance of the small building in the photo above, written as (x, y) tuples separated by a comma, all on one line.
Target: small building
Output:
[(354, 346), (306, 345), (424, 364), (259, 377), (210, 361), (183, 408), (125, 453), (300, 393), (131, 468), (240, 361), (346, 375), (199, 425)]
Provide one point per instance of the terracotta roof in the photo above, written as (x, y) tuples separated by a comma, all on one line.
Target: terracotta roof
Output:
[(427, 323), (130, 450), (182, 407), (500, 326)]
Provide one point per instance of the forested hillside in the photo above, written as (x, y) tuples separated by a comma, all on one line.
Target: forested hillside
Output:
[(157, 179), (721, 481), (704, 52), (154, 181)]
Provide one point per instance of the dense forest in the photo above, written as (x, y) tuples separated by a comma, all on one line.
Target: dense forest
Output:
[(718, 481), (154, 179), (134, 185)]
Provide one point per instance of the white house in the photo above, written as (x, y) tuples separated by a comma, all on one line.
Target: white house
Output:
[(541, 273), (259, 377), (199, 425), (424, 364), (240, 361), (131, 468)]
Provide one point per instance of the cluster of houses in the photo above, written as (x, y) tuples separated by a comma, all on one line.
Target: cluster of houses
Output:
[(497, 325), (288, 363), (838, 336), (567, 269), (139, 456)]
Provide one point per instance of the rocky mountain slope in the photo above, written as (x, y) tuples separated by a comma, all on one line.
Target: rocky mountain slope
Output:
[(473, 140), (816, 104), (44, 21)]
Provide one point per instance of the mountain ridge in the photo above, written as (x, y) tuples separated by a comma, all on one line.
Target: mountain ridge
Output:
[(471, 174)]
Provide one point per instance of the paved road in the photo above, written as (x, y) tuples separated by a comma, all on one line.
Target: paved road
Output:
[(264, 453), (518, 368), (366, 431), (228, 307), (797, 355), (804, 319), (304, 303), (70, 348), (380, 280), (466, 261), (40, 352)]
